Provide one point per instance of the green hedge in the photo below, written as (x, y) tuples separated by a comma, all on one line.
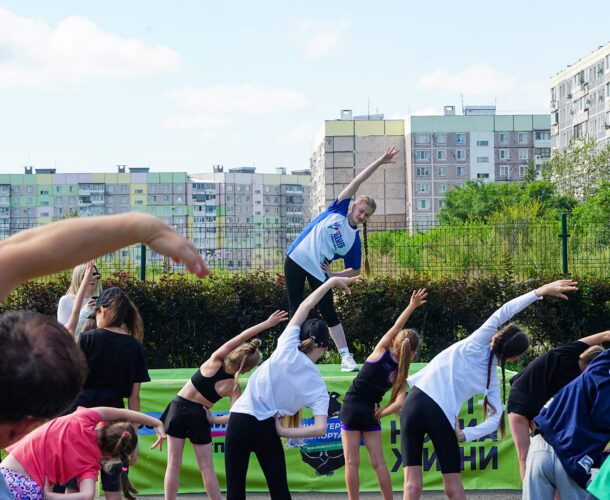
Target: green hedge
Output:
[(186, 320)]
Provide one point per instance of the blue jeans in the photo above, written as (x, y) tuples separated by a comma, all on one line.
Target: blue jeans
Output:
[(544, 474)]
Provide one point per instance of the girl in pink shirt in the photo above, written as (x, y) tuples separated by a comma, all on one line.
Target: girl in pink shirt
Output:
[(72, 446)]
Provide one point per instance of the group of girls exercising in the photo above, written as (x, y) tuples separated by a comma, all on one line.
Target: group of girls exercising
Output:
[(270, 406)]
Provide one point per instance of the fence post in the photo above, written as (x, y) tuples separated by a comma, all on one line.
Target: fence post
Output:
[(142, 262), (564, 243)]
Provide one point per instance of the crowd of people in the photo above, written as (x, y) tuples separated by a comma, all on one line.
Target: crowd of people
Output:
[(63, 382)]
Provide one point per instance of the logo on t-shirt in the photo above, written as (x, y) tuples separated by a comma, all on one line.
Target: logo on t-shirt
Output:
[(337, 240), (586, 463), (334, 227)]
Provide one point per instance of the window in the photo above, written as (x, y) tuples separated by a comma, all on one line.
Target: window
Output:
[(166, 188), (138, 191), (15, 189), (423, 187), (59, 200), (460, 154), (441, 171), (504, 171), (482, 159), (44, 203), (504, 154), (522, 169), (482, 143), (460, 138), (152, 188), (58, 189), (503, 138), (441, 203), (124, 188), (422, 155), (423, 221), (522, 138), (138, 202), (441, 154), (422, 171), (166, 199), (542, 136), (29, 200), (442, 188), (523, 155), (111, 188), (124, 200), (179, 188), (29, 189), (422, 138), (441, 138), (60, 211), (423, 204), (483, 176), (461, 171)]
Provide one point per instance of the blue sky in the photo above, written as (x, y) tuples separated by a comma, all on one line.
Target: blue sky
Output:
[(184, 85)]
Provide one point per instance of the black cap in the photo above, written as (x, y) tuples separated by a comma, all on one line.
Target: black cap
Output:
[(317, 329)]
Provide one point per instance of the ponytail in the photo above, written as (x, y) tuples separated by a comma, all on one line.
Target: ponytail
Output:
[(307, 345), (405, 343), (119, 440), (244, 358), (122, 312), (367, 267)]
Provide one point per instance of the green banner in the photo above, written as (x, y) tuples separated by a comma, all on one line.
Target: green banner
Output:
[(318, 464)]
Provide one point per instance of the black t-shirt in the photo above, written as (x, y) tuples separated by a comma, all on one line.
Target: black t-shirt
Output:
[(116, 361), (547, 374)]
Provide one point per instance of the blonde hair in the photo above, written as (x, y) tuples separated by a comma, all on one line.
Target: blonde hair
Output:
[(244, 358), (77, 277), (370, 202)]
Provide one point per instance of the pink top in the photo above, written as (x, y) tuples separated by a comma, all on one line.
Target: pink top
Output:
[(61, 449)]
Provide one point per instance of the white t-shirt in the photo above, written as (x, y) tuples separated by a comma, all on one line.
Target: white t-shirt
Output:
[(64, 310), (460, 371), (284, 383), (329, 236)]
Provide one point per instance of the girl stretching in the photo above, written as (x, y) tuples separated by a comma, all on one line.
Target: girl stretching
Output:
[(387, 367), (331, 235), (185, 416), (462, 371), (281, 386), (72, 446)]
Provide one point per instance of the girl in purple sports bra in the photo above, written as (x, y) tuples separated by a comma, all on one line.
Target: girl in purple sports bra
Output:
[(387, 367), (188, 416)]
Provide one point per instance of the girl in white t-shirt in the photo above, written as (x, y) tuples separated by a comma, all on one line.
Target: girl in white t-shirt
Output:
[(281, 386), (461, 371), (86, 282), (333, 235)]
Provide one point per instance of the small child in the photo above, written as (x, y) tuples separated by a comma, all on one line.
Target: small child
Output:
[(72, 446)]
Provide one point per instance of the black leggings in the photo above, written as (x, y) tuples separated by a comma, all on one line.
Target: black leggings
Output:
[(295, 283), (246, 434), (420, 415)]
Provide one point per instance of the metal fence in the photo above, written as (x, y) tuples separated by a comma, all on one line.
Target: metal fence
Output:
[(520, 247)]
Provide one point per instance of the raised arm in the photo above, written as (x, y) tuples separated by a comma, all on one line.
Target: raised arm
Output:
[(597, 338), (417, 299), (78, 299), (221, 353), (353, 186), (314, 297), (507, 311), (66, 243)]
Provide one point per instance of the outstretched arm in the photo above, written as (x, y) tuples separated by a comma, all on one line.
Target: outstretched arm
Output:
[(314, 297), (222, 352), (316, 430), (353, 186), (417, 299), (66, 243), (597, 338), (135, 417)]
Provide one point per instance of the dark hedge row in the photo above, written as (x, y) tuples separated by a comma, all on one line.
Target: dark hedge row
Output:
[(186, 320)]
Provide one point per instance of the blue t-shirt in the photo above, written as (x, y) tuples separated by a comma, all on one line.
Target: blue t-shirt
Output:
[(329, 236)]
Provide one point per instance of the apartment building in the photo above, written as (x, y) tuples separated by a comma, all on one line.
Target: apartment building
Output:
[(580, 100), (443, 151), (344, 147)]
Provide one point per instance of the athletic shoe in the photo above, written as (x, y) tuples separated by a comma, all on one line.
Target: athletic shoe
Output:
[(348, 364)]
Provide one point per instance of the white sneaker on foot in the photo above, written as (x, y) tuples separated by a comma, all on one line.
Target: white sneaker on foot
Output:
[(348, 364)]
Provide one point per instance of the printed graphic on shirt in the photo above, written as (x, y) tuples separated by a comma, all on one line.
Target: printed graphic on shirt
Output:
[(586, 463)]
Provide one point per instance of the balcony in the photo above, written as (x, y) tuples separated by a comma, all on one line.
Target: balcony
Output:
[(581, 91), (84, 201), (581, 117), (554, 106), (555, 129)]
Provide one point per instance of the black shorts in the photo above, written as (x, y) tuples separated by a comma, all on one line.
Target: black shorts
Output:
[(187, 419), (111, 479), (519, 403), (358, 415), (421, 415)]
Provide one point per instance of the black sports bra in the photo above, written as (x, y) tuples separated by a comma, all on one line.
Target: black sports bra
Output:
[(205, 385)]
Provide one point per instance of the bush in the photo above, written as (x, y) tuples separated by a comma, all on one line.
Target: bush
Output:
[(186, 320)]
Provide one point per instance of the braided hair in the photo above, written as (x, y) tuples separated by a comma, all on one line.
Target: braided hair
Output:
[(119, 439), (244, 358), (371, 202), (509, 342)]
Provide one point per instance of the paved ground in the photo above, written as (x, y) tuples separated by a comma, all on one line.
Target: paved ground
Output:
[(428, 495)]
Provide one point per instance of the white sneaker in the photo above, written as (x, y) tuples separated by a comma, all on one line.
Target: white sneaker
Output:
[(348, 364)]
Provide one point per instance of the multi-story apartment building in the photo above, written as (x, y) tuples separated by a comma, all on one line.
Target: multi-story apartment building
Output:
[(580, 100), (344, 147), (443, 151)]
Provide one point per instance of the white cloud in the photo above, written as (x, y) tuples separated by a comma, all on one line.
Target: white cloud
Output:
[(480, 81), (32, 54), (319, 38), (250, 98), (301, 135)]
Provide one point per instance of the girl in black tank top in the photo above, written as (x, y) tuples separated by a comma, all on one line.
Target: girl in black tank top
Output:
[(387, 367), (188, 415)]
